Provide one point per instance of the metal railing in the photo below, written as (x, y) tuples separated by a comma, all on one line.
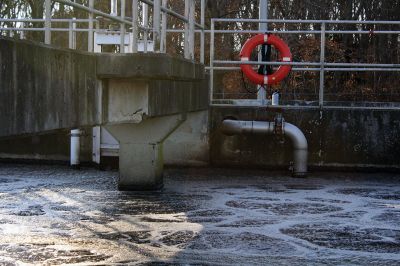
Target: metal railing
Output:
[(131, 25), (159, 31), (322, 66)]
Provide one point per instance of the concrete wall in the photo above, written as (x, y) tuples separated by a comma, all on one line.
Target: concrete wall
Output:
[(44, 89), (189, 144), (336, 137)]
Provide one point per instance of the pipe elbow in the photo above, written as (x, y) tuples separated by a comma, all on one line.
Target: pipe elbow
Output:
[(296, 136)]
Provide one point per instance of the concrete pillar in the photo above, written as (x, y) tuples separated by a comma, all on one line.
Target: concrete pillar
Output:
[(141, 159)]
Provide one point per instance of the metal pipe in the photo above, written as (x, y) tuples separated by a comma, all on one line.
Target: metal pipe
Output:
[(95, 11), (70, 45), (373, 22), (156, 25), (229, 62), (47, 23), (22, 36), (163, 44), (145, 23), (315, 107), (90, 27), (122, 29), (295, 31), (212, 40), (114, 8), (202, 35), (72, 35), (262, 14), (322, 61), (39, 20), (186, 35), (300, 147), (172, 13), (191, 25), (42, 29), (135, 30), (299, 141), (337, 69)]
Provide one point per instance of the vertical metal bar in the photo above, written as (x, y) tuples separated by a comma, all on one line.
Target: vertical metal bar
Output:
[(114, 7), (22, 35), (202, 36), (191, 29), (90, 27), (212, 61), (74, 34), (156, 24), (186, 36), (135, 13), (163, 45), (263, 14), (47, 23), (322, 61), (145, 22), (122, 30), (70, 35)]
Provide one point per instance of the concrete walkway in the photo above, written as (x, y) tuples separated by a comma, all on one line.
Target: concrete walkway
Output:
[(54, 215)]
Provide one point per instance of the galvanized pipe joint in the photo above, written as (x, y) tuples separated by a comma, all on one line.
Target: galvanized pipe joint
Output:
[(300, 145)]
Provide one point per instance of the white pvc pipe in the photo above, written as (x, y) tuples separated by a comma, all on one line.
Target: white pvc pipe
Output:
[(75, 147), (275, 98)]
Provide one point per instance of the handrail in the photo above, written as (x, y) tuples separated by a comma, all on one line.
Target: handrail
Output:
[(173, 13), (158, 29), (320, 66), (94, 11), (61, 20), (291, 21)]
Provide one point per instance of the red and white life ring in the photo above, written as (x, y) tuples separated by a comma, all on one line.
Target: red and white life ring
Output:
[(285, 56)]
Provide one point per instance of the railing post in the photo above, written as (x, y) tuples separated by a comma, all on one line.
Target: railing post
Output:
[(212, 61), (186, 35), (202, 36), (72, 40), (191, 29), (156, 25), (90, 27), (122, 30), (70, 35), (135, 13), (114, 7), (163, 44), (145, 22), (322, 66), (22, 35), (47, 23), (263, 14)]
